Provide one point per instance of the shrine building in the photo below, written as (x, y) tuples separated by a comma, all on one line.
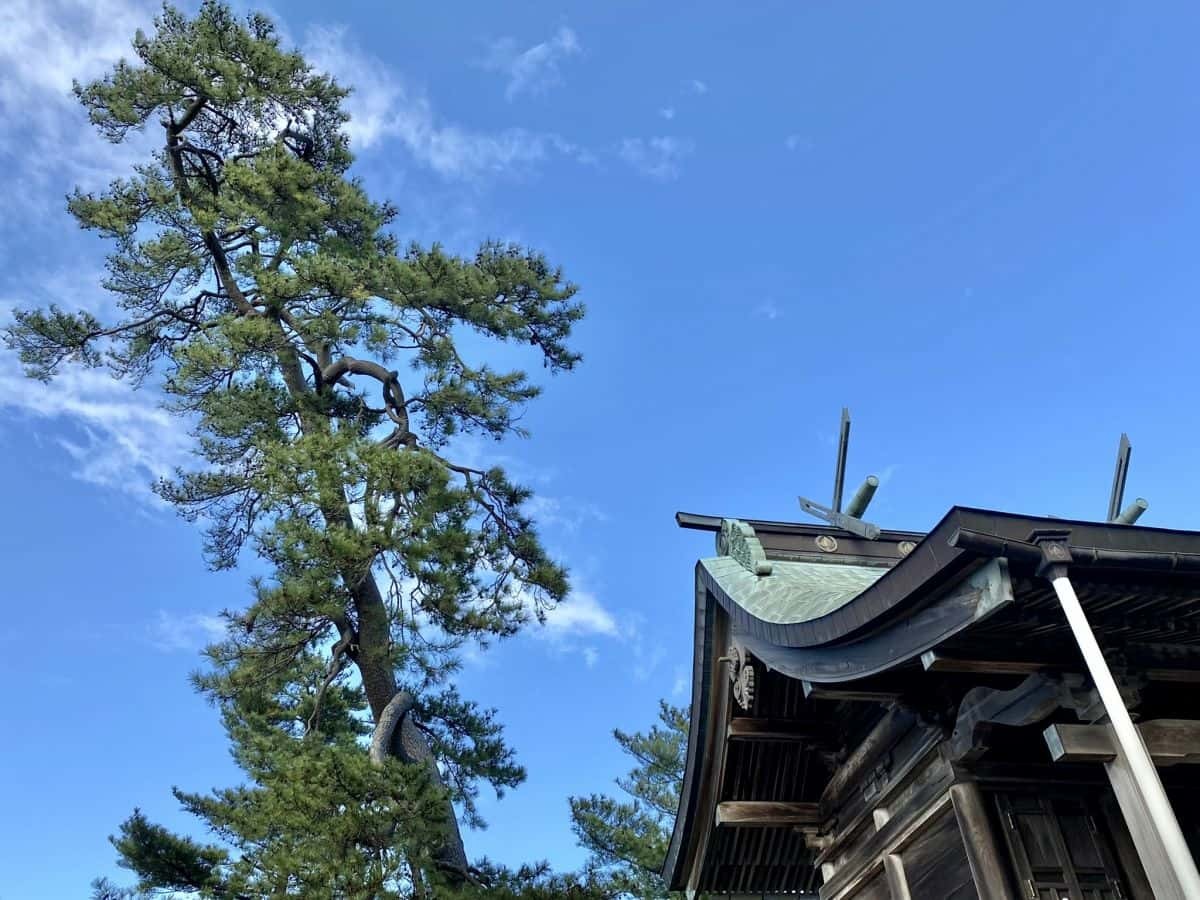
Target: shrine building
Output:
[(1007, 706)]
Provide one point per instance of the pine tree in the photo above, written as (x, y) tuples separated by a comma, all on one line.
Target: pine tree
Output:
[(627, 838), (326, 371)]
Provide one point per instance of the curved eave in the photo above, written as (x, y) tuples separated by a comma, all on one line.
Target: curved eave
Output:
[(697, 790), (932, 564)]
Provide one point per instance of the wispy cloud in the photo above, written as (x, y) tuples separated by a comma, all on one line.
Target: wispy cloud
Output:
[(695, 86), (591, 656), (184, 632), (536, 69), (768, 310), (797, 142), (115, 436), (667, 112), (656, 157), (119, 438), (563, 513), (46, 140), (679, 686), (384, 106)]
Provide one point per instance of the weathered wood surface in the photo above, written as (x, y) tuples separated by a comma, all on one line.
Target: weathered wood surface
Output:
[(851, 872), (936, 864), (896, 722), (766, 814), (983, 708), (1150, 847), (933, 661), (976, 663), (852, 691), (988, 867), (1170, 742), (893, 868), (748, 729)]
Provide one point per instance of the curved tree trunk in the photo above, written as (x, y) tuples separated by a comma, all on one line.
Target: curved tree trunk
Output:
[(396, 734)]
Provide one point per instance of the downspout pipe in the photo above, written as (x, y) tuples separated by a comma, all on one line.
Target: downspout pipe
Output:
[(1054, 557)]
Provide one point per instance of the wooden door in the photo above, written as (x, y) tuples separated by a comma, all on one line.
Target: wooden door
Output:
[(1058, 847)]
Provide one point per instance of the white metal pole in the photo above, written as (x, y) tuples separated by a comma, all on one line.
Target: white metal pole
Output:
[(1141, 766)]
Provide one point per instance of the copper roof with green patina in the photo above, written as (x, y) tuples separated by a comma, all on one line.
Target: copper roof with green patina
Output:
[(793, 591)]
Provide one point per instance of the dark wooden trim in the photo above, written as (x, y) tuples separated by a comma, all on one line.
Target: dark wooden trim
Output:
[(933, 661), (1127, 858), (936, 661), (932, 801), (1170, 742), (923, 766), (982, 708), (766, 814), (744, 728), (850, 692), (894, 724), (983, 853)]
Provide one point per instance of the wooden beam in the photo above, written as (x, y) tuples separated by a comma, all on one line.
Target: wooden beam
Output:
[(934, 661), (937, 662), (983, 708), (767, 814), (1170, 742), (1180, 676), (849, 691), (744, 728)]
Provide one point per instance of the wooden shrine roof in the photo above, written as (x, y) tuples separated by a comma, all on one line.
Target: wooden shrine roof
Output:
[(876, 617)]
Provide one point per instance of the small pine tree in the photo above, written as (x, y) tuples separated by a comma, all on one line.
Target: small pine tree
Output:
[(326, 371), (628, 838)]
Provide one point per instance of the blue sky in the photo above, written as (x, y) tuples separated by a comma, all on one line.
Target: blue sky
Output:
[(975, 225)]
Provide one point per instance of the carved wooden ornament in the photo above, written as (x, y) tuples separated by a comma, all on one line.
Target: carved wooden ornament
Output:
[(737, 539), (741, 673)]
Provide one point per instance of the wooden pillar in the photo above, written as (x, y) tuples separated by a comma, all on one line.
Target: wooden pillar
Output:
[(1152, 824), (893, 868), (1132, 801), (987, 865)]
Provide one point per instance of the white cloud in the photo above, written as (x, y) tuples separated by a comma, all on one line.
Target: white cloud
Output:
[(580, 614), (383, 106), (679, 687), (46, 142), (797, 142), (565, 513), (696, 86), (184, 632), (120, 439), (656, 157), (536, 69), (591, 656), (116, 436), (667, 112)]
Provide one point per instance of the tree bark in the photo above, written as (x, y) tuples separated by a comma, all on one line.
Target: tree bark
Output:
[(396, 734)]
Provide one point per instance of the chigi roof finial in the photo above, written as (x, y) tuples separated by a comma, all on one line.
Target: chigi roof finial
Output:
[(1134, 510), (850, 520)]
